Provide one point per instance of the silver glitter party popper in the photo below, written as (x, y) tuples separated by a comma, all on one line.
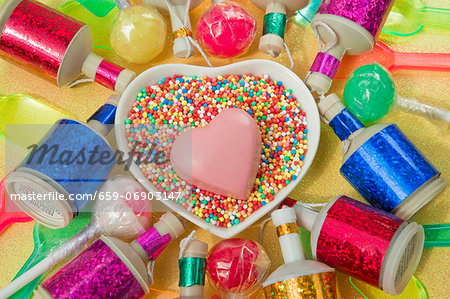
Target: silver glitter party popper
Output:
[(344, 27), (54, 46), (65, 168), (111, 268), (298, 277), (381, 163)]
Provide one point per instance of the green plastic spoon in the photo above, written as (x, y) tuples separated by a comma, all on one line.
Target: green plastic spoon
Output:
[(45, 241), (18, 112), (408, 17)]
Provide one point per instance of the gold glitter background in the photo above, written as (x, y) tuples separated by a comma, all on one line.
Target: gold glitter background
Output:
[(323, 181)]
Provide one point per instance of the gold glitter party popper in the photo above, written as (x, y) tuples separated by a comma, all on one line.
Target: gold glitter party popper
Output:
[(54, 46), (297, 278)]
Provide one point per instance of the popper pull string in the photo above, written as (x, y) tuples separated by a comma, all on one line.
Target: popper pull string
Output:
[(275, 23), (192, 265), (185, 32)]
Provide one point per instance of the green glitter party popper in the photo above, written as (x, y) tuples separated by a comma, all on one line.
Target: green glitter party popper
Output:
[(370, 94), (192, 265), (277, 12)]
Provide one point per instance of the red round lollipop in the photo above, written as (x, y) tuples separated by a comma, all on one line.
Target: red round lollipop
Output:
[(226, 29), (237, 266)]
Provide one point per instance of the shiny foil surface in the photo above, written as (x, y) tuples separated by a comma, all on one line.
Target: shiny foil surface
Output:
[(369, 14), (105, 114), (153, 243), (107, 74), (77, 158), (275, 23), (354, 238), (36, 37), (344, 124), (96, 273), (325, 64), (192, 271), (287, 228), (389, 154), (314, 286)]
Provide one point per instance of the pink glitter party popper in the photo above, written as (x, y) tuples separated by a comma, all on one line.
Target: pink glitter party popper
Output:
[(344, 27), (364, 242), (54, 46), (110, 268)]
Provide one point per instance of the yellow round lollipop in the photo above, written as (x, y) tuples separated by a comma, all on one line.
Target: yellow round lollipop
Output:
[(139, 34)]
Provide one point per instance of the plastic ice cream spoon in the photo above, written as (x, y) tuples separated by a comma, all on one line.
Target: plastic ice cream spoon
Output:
[(46, 240), (370, 93), (393, 61), (100, 8), (14, 109), (7, 216), (306, 14), (101, 26), (408, 17)]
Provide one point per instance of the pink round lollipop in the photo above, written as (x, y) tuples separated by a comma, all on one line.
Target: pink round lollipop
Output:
[(237, 266), (226, 29)]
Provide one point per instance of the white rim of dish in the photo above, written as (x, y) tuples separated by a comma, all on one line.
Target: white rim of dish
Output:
[(275, 71)]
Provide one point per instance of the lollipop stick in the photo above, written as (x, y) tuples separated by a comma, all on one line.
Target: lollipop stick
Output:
[(54, 258), (412, 105)]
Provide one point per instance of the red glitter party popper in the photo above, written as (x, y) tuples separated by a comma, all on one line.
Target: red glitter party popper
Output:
[(364, 242), (54, 46)]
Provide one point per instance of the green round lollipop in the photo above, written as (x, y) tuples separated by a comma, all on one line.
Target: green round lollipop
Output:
[(369, 93)]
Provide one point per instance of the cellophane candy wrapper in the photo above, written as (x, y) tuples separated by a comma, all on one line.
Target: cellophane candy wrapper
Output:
[(226, 30), (237, 267)]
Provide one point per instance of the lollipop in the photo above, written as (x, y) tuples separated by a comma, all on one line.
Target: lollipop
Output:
[(139, 33), (181, 23), (370, 93), (114, 216), (237, 266), (226, 29)]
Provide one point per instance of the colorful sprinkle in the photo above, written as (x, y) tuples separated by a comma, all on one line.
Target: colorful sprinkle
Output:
[(163, 110)]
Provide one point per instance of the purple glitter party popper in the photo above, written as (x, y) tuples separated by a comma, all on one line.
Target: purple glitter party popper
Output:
[(344, 27), (110, 268)]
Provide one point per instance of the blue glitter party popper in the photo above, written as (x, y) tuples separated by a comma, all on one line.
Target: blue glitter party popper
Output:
[(381, 163), (63, 171)]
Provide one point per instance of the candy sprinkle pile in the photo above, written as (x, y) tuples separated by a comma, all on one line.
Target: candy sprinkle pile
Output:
[(163, 110)]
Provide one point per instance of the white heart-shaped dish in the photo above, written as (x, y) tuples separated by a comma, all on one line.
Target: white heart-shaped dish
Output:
[(256, 67)]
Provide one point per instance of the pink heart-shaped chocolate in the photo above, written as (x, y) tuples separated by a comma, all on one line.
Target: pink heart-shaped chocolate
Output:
[(222, 157)]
